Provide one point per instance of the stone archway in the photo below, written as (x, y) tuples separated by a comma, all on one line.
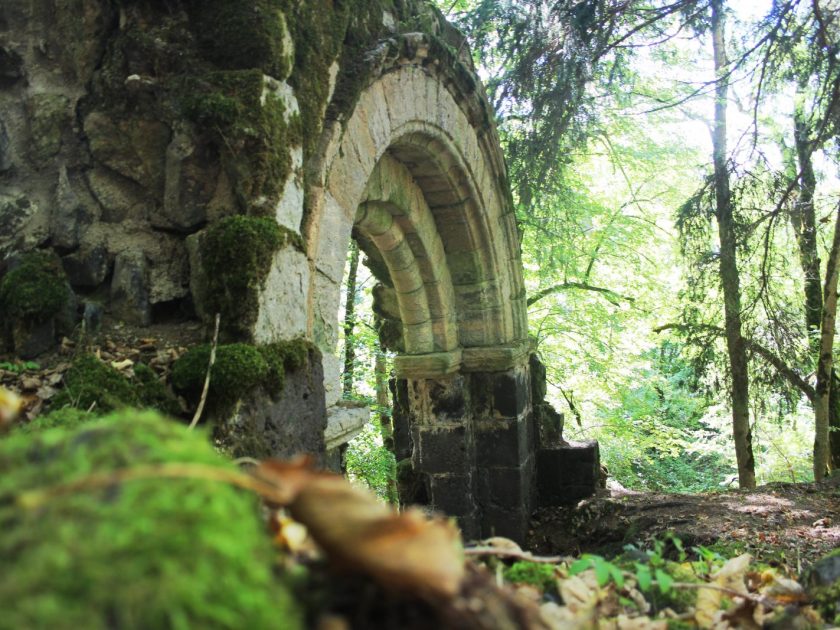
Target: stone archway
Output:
[(424, 187)]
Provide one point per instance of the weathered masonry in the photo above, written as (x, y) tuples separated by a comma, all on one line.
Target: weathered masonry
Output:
[(218, 157)]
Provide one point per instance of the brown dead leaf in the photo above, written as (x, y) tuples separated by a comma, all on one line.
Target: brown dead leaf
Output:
[(407, 551)]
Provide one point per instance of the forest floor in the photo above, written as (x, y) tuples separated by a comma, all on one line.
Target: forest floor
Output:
[(780, 523)]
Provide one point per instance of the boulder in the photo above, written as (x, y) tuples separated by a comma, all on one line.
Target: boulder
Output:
[(130, 289)]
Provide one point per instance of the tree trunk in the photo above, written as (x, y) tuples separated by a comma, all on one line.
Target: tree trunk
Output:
[(350, 322), (729, 276), (803, 218), (824, 372)]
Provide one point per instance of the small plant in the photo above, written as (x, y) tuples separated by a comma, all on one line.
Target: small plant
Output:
[(19, 366)]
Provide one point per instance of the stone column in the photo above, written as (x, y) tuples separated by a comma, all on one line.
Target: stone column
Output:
[(504, 447), (442, 446)]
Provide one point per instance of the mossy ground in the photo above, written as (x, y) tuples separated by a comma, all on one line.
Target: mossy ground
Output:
[(147, 553), (92, 385)]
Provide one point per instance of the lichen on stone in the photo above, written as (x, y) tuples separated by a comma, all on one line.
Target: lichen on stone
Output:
[(152, 552), (35, 289)]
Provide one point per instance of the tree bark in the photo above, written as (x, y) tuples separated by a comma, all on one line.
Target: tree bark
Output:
[(803, 219), (350, 322), (824, 366), (729, 276)]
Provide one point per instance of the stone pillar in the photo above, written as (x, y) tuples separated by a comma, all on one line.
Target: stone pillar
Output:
[(434, 445), (504, 448)]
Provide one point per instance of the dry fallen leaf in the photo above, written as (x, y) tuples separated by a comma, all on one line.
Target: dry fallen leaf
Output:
[(730, 576), (406, 551), (10, 405)]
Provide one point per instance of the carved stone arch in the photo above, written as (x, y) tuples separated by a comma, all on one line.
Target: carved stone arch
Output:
[(421, 180)]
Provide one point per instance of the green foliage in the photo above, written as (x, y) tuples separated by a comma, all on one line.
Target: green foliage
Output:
[(35, 289), (90, 384), (538, 574), (236, 255), (19, 366), (371, 464), (144, 553)]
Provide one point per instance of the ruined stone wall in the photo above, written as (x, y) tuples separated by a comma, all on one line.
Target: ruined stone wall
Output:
[(214, 158)]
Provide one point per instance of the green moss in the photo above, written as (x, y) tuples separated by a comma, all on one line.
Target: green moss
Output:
[(66, 417), (238, 369), (146, 553), (152, 392), (35, 289), (92, 384), (242, 35), (236, 256), (282, 357), (540, 575), (253, 134)]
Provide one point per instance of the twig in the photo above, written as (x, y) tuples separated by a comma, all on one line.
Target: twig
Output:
[(206, 389), (33, 499), (729, 591), (512, 553)]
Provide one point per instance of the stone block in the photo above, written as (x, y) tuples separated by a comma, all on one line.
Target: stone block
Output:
[(87, 267), (566, 474), (283, 298), (130, 289), (281, 425), (502, 443), (343, 424), (31, 338), (501, 395), (453, 494), (445, 449), (49, 116), (506, 487), (510, 523), (401, 417)]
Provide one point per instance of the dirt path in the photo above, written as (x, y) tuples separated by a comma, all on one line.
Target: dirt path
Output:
[(785, 523)]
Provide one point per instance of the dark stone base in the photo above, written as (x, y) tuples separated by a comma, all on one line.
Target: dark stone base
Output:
[(283, 426), (568, 473)]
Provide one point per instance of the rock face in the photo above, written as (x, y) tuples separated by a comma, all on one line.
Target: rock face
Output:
[(217, 157)]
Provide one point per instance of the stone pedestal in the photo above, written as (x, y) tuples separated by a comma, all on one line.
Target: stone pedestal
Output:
[(567, 473)]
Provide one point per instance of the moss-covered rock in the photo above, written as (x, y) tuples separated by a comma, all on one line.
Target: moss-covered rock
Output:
[(255, 133), (236, 255), (238, 368), (242, 35), (35, 289), (282, 357), (185, 552), (90, 384)]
